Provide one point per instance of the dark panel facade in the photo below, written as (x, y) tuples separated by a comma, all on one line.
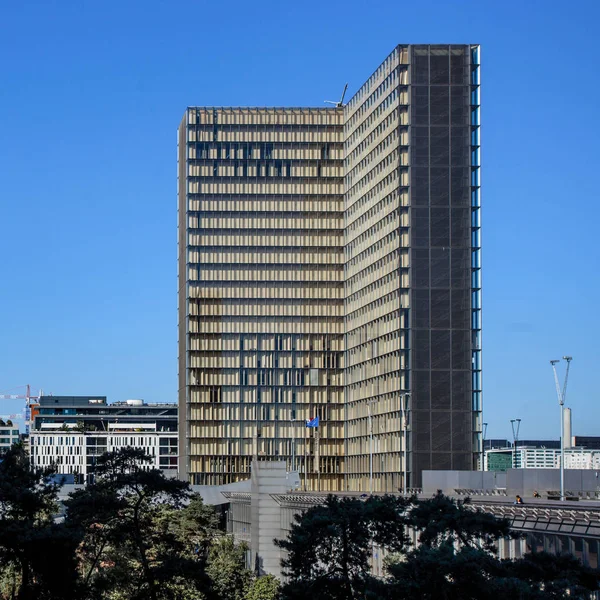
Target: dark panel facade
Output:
[(445, 388)]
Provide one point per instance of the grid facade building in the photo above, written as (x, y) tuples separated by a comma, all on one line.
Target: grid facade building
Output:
[(9, 435), (329, 266), (261, 313), (75, 453), (71, 432), (524, 457)]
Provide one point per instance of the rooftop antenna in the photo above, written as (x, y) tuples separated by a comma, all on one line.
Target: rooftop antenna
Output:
[(339, 104)]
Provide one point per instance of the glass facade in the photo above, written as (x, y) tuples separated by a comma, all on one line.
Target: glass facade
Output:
[(261, 302), (377, 274), (329, 266)]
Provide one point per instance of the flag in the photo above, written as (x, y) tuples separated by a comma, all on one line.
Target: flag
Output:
[(313, 422)]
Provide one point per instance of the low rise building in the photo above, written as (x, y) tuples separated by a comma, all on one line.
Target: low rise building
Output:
[(265, 510), (498, 459), (529, 457), (9, 435), (71, 432), (582, 458)]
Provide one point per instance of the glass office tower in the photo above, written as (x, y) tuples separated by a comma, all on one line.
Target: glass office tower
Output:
[(261, 297), (329, 266), (412, 268), (377, 275)]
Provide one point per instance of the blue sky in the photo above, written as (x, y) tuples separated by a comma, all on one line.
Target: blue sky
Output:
[(91, 94)]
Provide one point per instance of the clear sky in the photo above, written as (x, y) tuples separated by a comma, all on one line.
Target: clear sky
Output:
[(91, 94)]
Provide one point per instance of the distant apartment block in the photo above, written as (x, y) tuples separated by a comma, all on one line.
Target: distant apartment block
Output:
[(329, 265), (9, 435), (71, 432), (528, 457)]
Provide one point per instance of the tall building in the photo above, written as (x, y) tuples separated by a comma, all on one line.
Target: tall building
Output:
[(261, 274), (329, 266)]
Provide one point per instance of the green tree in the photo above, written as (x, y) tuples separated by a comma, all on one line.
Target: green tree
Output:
[(553, 577), (456, 559), (329, 546), (196, 526), (442, 519), (226, 568), (448, 573), (128, 548), (443, 573), (37, 556), (264, 588)]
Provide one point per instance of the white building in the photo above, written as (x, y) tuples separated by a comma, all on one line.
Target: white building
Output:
[(75, 452), (9, 435), (580, 458), (528, 457), (71, 432)]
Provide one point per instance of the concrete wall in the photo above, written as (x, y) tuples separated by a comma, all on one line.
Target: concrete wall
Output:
[(448, 481), (211, 494), (525, 481), (265, 513), (515, 481)]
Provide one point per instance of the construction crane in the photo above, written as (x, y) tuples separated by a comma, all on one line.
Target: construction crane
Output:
[(28, 402), (339, 104), (27, 396)]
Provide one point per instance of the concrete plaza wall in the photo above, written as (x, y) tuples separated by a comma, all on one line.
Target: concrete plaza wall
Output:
[(515, 481), (211, 494), (448, 481), (267, 478)]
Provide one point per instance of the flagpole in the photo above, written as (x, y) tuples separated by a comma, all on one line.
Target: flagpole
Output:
[(293, 445), (312, 423), (317, 458), (306, 432)]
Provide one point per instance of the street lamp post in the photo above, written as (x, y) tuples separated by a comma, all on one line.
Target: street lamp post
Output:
[(369, 402), (293, 444), (561, 401), (483, 432), (516, 425), (405, 398)]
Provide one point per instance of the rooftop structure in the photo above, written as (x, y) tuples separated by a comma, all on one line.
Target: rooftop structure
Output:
[(94, 413)]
